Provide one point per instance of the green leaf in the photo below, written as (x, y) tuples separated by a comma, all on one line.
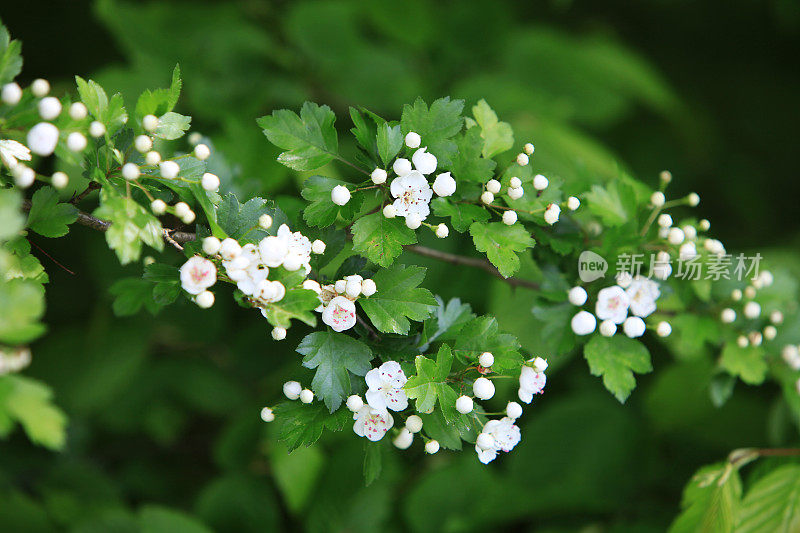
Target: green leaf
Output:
[(398, 299), (109, 112), (616, 359), (437, 125), (10, 57), (449, 433), (390, 142), (482, 334), (501, 244), (429, 385), (131, 294), (335, 356), (160, 101), (302, 424), (468, 164), (29, 402), (710, 501), (452, 316), (363, 132), (172, 126), (373, 461), (157, 519), (381, 239), (772, 503), (310, 139), (49, 218), (461, 215), (131, 225), (497, 136), (615, 204), (240, 221), (11, 218), (298, 304), (747, 363), (321, 211), (22, 304)]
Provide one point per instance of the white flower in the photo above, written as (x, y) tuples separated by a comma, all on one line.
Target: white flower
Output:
[(509, 218), (577, 296), (353, 286), (317, 247), (158, 206), (657, 199), (267, 415), (372, 424), (770, 332), (279, 333), (354, 402), (340, 314), (487, 197), (401, 166), (209, 181), (522, 159), (150, 122), (442, 231), (540, 182), (742, 341), (11, 151), (49, 108), (514, 182), (530, 382), (432, 446), (130, 171), (414, 424), (169, 169), (676, 236), (500, 435), (444, 184), (583, 323), (197, 274), (306, 396), (151, 158), (791, 355), (612, 304), (413, 194), (403, 440), (551, 214), (486, 359), (273, 250), (378, 176), (633, 327), (664, 329), (690, 232), (40, 87), (292, 390), (386, 387), (464, 404), (624, 279), (664, 220), (493, 186), (483, 388), (413, 139), (539, 364), (424, 161), (728, 315), (528, 148), (776, 317), (389, 211), (515, 193), (340, 195), (229, 249), (704, 225), (573, 203), (11, 94), (642, 295), (60, 180), (42, 138), (513, 410), (693, 199), (298, 248), (752, 310), (368, 287), (413, 221), (98, 129), (205, 299), (607, 328), (143, 143)]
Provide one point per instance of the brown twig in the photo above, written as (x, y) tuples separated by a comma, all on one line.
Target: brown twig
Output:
[(370, 329), (474, 262)]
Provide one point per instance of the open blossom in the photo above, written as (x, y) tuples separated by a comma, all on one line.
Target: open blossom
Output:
[(504, 435), (612, 304), (198, 274), (642, 295), (530, 382), (371, 423), (298, 248), (386, 387), (413, 195), (11, 151), (340, 314)]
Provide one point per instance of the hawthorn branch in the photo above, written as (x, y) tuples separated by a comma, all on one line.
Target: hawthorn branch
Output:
[(474, 262), (176, 238)]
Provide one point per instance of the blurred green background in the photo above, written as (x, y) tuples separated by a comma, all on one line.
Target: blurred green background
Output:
[(164, 428)]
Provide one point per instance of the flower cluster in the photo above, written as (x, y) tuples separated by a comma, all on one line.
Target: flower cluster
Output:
[(627, 303), (337, 300)]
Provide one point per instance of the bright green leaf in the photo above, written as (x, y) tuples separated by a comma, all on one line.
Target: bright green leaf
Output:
[(399, 298), (616, 359), (501, 244), (47, 216), (310, 139), (381, 239)]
